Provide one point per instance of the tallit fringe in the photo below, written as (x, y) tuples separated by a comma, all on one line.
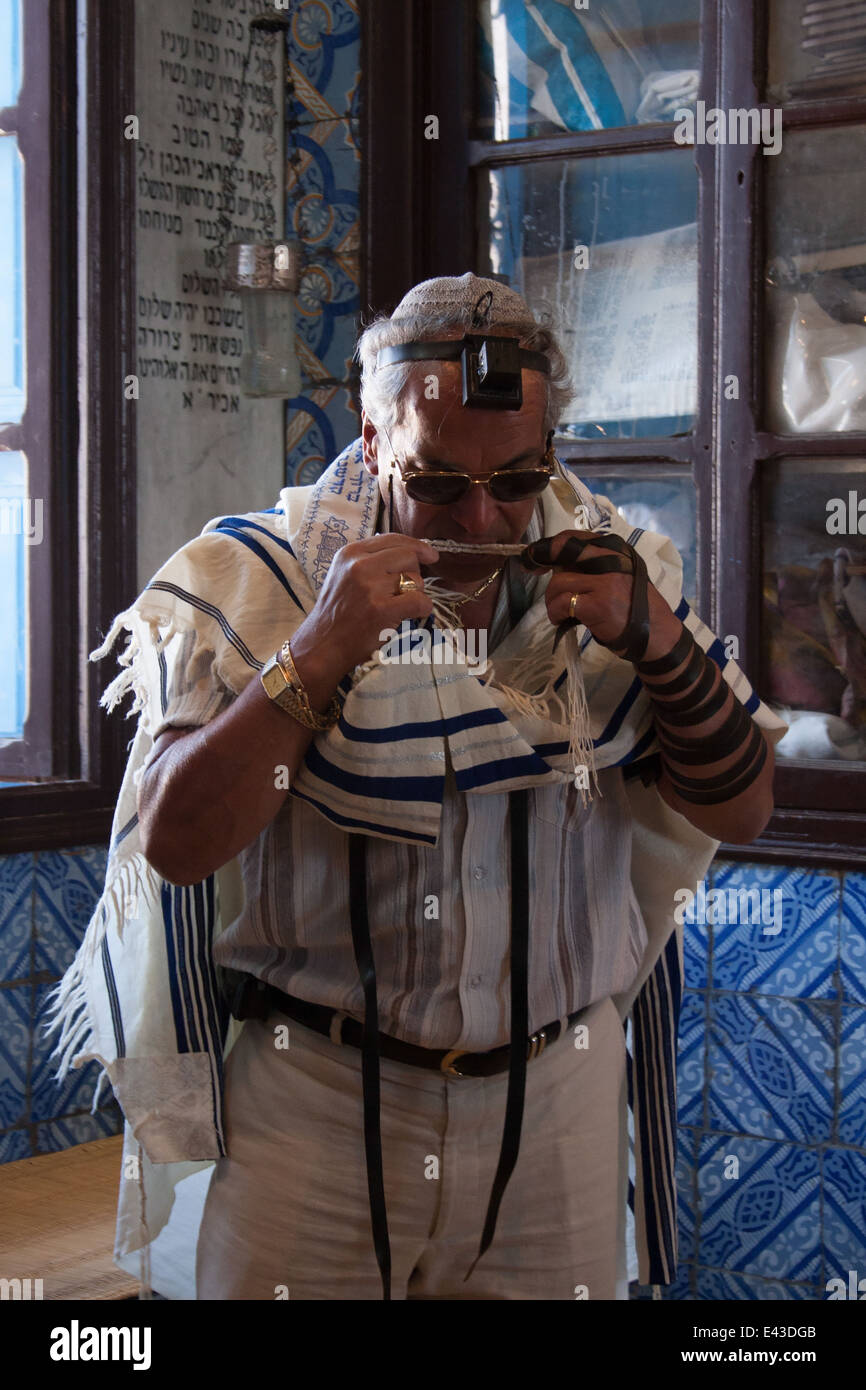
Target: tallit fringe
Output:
[(131, 659), (128, 891)]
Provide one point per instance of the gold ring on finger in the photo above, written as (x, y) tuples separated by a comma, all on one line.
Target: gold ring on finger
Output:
[(572, 606), (406, 584)]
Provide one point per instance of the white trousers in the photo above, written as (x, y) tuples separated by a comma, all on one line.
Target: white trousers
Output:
[(287, 1210)]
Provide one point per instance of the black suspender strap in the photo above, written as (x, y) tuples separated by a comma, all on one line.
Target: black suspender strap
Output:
[(518, 802), (369, 1056)]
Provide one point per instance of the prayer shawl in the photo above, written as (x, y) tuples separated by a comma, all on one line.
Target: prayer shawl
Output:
[(143, 995)]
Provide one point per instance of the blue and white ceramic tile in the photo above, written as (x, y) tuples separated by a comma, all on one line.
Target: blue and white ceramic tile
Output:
[(48, 1098), (76, 1129), (853, 944), (16, 915), (323, 46), (691, 1059), (322, 207), (696, 945), (15, 1145), (789, 945), (844, 1233), (69, 884), (721, 1286), (687, 1155), (15, 1004), (766, 1220), (852, 1080), (771, 1067)]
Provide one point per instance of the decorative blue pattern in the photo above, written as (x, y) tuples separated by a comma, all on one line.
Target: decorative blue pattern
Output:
[(17, 876), (844, 1228), (717, 1285), (46, 901), (68, 886), (852, 1084), (323, 179), (853, 945), (771, 1068), (691, 1059), (800, 960), (767, 1220)]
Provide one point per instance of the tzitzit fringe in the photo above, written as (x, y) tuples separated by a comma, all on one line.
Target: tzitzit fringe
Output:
[(534, 668)]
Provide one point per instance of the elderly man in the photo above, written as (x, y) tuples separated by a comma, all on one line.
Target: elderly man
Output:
[(451, 891)]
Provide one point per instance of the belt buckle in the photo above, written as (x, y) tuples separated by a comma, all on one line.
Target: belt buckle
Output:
[(447, 1063)]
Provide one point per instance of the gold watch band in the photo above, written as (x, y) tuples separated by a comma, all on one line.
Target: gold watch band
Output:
[(287, 691)]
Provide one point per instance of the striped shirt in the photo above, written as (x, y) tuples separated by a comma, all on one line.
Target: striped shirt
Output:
[(439, 916)]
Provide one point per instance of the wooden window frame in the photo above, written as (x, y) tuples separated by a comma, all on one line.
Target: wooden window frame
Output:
[(79, 430), (418, 220)]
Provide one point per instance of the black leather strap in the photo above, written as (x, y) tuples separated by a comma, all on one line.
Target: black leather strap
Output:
[(697, 713), (451, 350), (518, 806), (689, 675), (693, 699), (674, 658), (369, 1056), (726, 785), (711, 747), (632, 642)]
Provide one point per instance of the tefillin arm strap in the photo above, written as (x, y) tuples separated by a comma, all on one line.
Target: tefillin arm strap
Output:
[(632, 642), (519, 952)]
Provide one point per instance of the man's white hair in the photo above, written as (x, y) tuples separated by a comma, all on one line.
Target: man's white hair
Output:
[(448, 307)]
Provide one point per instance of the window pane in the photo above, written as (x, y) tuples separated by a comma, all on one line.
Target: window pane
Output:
[(557, 65), (655, 499), (17, 531), (817, 48), (10, 51), (816, 282), (11, 283), (814, 624), (606, 250)]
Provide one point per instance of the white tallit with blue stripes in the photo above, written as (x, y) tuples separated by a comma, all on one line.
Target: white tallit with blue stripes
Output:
[(142, 996)]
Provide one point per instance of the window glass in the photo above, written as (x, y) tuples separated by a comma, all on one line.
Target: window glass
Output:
[(17, 531), (817, 48), (559, 65), (11, 283), (655, 500), (10, 52), (816, 282), (605, 250), (814, 610)]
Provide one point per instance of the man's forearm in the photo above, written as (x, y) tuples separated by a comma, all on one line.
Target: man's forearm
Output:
[(208, 794), (717, 763)]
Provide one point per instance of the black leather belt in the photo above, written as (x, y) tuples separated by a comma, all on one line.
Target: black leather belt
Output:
[(256, 999)]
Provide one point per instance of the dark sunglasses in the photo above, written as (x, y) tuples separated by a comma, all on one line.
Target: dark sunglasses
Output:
[(443, 489)]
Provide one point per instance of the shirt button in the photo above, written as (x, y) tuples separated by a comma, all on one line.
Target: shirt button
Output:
[(475, 981), (479, 871)]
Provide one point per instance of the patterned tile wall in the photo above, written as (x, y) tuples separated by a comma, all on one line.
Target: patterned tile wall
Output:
[(46, 901), (323, 177), (772, 1089)]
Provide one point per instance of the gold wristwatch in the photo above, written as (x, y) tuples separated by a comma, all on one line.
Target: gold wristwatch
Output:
[(283, 685)]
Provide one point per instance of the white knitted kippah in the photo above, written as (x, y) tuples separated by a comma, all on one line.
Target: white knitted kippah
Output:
[(484, 302)]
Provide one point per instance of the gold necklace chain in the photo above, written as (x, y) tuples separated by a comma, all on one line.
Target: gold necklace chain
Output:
[(458, 603)]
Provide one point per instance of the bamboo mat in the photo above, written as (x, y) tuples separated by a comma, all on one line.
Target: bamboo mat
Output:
[(57, 1215)]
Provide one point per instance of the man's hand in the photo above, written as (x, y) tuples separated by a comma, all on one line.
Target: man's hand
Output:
[(604, 600), (356, 603)]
